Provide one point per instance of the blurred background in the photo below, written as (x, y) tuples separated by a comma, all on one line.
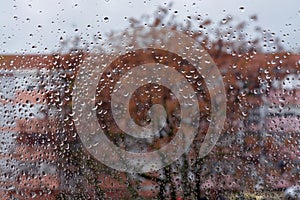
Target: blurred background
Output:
[(255, 45)]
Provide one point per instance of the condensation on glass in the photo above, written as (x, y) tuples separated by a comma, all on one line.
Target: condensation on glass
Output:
[(45, 47)]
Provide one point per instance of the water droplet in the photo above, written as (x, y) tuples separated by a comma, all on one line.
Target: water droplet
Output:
[(242, 8), (106, 19)]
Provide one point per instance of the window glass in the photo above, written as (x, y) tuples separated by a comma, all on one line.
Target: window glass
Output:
[(149, 99)]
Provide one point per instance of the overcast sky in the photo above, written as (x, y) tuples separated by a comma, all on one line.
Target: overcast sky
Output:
[(41, 23)]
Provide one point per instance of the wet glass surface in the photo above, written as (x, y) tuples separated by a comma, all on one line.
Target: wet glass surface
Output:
[(150, 99)]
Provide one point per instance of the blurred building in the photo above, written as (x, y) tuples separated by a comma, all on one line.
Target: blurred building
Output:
[(33, 94)]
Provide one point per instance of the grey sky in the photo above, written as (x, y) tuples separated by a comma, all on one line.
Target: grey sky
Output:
[(41, 23)]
